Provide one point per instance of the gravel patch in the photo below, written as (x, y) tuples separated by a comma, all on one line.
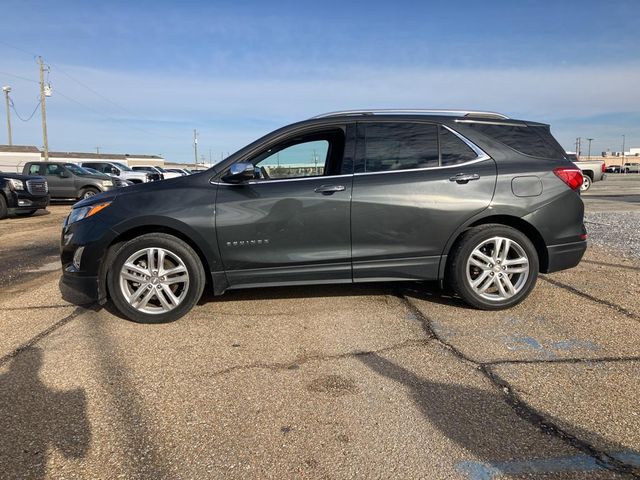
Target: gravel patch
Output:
[(615, 230)]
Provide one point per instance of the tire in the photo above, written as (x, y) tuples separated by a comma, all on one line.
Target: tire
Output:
[(128, 295), (25, 213), (88, 192), (586, 183), (4, 212), (463, 268)]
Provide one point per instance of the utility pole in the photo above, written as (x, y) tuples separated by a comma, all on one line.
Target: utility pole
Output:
[(623, 141), (98, 150), (195, 145), (43, 94), (578, 142), (589, 154), (6, 89)]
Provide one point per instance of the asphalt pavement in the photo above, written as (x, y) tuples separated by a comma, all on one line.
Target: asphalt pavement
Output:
[(369, 381)]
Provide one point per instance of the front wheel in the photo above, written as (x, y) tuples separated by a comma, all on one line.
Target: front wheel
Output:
[(493, 267), (88, 192), (155, 278)]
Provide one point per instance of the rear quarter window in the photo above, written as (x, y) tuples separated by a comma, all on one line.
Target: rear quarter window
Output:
[(532, 141)]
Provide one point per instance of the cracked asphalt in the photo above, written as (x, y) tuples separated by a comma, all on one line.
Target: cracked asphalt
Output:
[(368, 381)]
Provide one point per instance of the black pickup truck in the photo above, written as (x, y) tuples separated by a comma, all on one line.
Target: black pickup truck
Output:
[(22, 194)]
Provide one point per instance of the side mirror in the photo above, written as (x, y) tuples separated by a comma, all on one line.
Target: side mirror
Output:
[(63, 174), (240, 172), (115, 171)]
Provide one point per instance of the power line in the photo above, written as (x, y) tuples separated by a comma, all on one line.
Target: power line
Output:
[(18, 76), (13, 107), (136, 117)]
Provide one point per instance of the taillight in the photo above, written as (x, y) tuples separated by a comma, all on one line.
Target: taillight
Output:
[(603, 168), (571, 176)]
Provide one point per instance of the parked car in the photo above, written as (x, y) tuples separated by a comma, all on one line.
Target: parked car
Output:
[(165, 174), (181, 171), (116, 180), (120, 170), (22, 194), (68, 180), (631, 167), (613, 169), (592, 170), (475, 200)]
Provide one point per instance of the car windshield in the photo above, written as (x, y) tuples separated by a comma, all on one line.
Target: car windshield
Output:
[(76, 170), (122, 166)]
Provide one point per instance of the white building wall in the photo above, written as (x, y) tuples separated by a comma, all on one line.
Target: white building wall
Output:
[(14, 161)]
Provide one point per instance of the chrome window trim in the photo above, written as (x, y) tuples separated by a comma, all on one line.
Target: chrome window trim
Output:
[(481, 156), (443, 167), (279, 180)]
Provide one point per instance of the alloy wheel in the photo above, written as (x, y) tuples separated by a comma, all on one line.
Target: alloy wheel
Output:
[(497, 269), (154, 280)]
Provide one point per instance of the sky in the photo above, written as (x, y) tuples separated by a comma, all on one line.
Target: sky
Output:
[(138, 77)]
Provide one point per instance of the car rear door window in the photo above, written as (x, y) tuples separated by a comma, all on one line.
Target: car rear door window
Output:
[(529, 140), (53, 169), (400, 146), (453, 150)]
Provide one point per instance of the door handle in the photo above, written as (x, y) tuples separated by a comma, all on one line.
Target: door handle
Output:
[(330, 189), (464, 177)]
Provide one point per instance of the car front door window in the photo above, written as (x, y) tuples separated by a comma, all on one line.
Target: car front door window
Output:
[(306, 159)]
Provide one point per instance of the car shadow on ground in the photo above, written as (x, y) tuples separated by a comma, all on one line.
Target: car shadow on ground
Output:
[(34, 419), (499, 441), (428, 291)]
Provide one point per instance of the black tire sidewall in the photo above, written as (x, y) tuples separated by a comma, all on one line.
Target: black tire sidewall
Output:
[(4, 212), (470, 240), (182, 250)]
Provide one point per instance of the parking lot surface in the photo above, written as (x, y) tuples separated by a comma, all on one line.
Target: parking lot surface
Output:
[(369, 381)]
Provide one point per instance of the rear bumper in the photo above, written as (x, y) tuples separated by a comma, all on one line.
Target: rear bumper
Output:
[(564, 256)]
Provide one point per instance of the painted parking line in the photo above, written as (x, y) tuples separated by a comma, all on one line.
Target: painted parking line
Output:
[(576, 463)]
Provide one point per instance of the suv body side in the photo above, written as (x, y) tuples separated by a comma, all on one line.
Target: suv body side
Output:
[(346, 224)]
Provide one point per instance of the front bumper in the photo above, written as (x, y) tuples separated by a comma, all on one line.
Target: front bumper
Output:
[(78, 289), (22, 200), (567, 255)]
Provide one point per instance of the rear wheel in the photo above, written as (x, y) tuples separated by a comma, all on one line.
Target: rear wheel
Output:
[(493, 267), (586, 183), (155, 278)]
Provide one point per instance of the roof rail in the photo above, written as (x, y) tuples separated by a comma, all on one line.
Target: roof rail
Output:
[(418, 111)]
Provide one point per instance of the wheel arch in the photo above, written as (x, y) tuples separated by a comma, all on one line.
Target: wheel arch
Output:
[(136, 231), (518, 223)]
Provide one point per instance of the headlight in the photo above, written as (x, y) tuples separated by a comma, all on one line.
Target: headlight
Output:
[(15, 184), (107, 183), (80, 213)]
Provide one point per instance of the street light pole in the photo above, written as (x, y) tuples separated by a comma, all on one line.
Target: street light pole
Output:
[(589, 154), (623, 141), (6, 89)]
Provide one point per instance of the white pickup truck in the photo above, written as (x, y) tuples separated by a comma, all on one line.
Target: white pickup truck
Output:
[(592, 170)]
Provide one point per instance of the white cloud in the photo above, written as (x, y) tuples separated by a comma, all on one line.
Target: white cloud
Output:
[(231, 111)]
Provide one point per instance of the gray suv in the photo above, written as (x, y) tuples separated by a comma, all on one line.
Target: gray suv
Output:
[(475, 200), (119, 170)]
